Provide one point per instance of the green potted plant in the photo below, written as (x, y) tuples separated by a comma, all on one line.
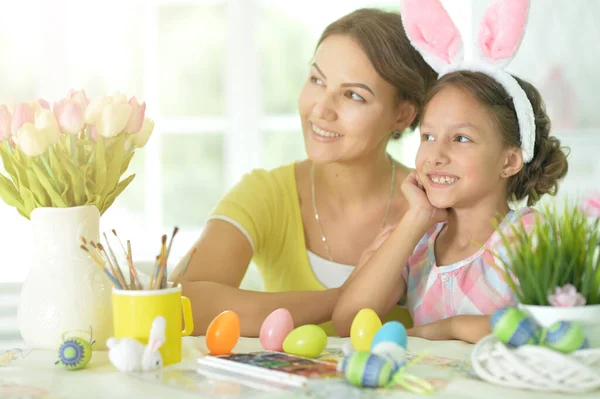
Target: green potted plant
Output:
[(554, 267)]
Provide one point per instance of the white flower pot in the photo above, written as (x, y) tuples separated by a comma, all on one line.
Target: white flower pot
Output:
[(65, 290), (588, 316)]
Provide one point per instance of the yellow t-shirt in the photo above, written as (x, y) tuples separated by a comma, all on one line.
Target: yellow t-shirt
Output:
[(265, 206)]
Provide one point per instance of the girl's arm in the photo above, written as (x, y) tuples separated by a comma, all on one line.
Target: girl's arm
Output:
[(215, 273), (468, 328), (379, 282)]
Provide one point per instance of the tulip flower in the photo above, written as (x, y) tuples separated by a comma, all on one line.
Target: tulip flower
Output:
[(93, 110), (78, 97), (119, 98), (5, 120), (141, 138), (113, 119), (69, 115), (46, 123), (591, 206), (23, 113), (136, 120), (42, 104), (33, 142)]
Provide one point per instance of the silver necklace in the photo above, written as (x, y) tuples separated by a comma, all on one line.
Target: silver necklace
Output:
[(314, 203)]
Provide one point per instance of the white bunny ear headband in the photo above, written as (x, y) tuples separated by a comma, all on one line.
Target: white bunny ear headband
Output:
[(432, 32)]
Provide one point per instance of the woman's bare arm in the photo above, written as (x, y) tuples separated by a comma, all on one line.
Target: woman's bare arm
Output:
[(211, 283)]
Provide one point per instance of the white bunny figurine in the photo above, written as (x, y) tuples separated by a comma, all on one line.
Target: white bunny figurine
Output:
[(129, 354)]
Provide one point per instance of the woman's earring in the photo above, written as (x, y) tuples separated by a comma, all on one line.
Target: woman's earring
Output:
[(396, 134)]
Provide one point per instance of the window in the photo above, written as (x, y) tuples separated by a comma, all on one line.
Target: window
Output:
[(221, 80)]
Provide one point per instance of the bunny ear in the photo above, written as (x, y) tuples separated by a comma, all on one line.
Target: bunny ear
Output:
[(157, 331), (432, 32), (501, 31), (155, 344)]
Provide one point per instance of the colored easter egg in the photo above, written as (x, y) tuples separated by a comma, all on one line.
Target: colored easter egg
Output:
[(275, 328), (74, 353), (512, 326), (392, 331), (306, 341), (223, 333), (566, 337), (365, 325), (391, 351), (364, 369)]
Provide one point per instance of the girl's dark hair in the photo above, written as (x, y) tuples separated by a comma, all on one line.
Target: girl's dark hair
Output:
[(382, 37), (549, 164)]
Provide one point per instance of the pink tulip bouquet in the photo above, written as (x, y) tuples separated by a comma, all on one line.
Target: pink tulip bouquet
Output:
[(71, 154)]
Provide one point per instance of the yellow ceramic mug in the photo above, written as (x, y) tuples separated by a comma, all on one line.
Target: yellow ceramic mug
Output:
[(134, 311)]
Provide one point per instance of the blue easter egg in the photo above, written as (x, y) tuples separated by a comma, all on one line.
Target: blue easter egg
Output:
[(392, 331), (566, 337), (512, 326)]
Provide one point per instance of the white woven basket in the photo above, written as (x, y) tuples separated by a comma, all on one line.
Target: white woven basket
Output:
[(536, 367)]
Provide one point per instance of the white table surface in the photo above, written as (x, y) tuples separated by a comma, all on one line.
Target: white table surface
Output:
[(36, 376)]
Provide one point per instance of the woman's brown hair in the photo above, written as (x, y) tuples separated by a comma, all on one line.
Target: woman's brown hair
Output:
[(549, 164), (382, 37)]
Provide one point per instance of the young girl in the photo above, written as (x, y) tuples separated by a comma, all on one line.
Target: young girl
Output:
[(484, 140)]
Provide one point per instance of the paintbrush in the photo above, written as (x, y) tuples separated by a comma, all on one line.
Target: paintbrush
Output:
[(154, 273), (162, 263), (114, 260), (120, 242), (93, 254), (129, 258), (184, 268), (132, 271), (98, 254), (166, 260), (101, 265), (114, 269), (117, 270)]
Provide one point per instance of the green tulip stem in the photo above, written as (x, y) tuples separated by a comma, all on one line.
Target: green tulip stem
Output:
[(73, 145), (44, 158), (130, 150)]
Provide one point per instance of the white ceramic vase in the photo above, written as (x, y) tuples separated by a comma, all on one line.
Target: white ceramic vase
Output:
[(65, 290), (588, 316)]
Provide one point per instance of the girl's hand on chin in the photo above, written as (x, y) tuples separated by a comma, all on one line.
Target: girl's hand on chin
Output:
[(418, 202)]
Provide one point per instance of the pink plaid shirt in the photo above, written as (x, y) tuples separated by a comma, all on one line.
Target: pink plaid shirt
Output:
[(473, 286)]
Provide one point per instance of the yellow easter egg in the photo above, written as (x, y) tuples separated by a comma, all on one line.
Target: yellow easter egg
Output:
[(306, 341), (363, 329)]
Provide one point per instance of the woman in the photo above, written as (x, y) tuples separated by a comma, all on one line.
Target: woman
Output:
[(304, 225)]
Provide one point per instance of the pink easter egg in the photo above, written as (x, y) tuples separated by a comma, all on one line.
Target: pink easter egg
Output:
[(275, 328)]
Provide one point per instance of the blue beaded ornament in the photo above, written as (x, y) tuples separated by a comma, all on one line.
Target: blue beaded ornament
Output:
[(75, 352)]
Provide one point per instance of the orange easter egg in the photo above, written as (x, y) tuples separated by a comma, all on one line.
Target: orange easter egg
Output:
[(223, 333)]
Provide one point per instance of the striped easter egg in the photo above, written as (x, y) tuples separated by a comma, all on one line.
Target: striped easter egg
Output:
[(511, 326), (364, 369), (565, 337)]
